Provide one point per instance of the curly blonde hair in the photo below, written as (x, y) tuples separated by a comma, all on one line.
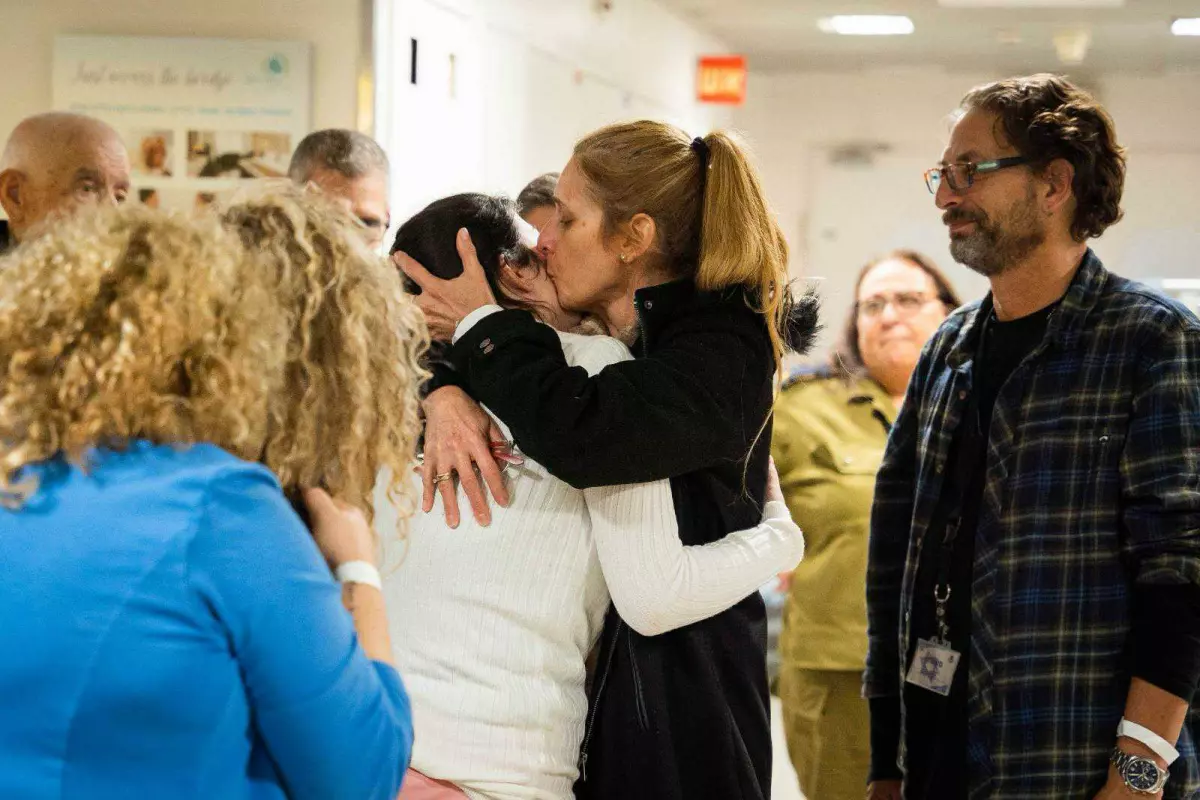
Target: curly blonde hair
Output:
[(299, 352), (349, 404)]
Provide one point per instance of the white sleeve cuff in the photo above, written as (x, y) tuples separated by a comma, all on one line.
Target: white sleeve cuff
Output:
[(776, 510), (469, 320)]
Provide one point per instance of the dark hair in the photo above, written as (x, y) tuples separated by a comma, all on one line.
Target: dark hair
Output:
[(346, 152), (538, 193), (846, 358), (1046, 117), (428, 236)]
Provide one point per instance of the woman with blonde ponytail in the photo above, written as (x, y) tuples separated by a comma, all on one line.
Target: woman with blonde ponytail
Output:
[(669, 243)]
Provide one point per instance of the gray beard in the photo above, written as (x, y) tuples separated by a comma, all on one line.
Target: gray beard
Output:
[(978, 254), (992, 250)]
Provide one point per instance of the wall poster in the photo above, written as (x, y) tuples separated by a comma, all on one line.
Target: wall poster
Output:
[(199, 116)]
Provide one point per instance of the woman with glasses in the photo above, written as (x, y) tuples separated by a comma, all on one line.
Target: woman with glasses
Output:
[(492, 624), (831, 426)]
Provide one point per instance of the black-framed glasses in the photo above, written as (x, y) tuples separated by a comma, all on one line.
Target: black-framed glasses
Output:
[(961, 176)]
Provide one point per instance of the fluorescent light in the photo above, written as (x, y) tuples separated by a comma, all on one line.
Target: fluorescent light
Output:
[(1188, 26), (866, 25), (1180, 284)]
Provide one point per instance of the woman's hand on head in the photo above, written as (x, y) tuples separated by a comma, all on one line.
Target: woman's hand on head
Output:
[(458, 439), (340, 530), (446, 302)]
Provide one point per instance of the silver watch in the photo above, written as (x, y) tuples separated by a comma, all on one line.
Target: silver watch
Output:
[(1141, 775)]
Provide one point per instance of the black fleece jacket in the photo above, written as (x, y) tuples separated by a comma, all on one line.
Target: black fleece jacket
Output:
[(685, 714)]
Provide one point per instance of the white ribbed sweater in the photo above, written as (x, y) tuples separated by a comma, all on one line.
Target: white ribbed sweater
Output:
[(491, 626)]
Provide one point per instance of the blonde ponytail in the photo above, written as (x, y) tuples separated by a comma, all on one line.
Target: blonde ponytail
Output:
[(711, 217), (740, 241)]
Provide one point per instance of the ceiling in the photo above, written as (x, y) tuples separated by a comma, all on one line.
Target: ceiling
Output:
[(782, 35)]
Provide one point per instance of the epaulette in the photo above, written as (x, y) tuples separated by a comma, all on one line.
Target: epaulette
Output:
[(807, 373)]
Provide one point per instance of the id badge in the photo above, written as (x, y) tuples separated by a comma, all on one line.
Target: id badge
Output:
[(933, 666)]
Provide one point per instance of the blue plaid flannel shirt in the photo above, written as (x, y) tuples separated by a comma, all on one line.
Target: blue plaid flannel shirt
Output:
[(1092, 486)]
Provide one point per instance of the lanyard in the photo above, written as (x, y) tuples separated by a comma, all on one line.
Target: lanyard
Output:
[(966, 441)]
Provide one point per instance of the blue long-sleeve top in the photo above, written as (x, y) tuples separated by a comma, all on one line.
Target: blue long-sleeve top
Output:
[(168, 628)]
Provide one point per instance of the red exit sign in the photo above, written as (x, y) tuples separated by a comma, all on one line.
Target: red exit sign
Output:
[(721, 79)]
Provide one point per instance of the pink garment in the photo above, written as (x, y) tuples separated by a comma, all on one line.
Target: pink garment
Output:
[(420, 787)]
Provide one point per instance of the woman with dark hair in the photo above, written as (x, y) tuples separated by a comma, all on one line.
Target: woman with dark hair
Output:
[(492, 625), (668, 241), (848, 358), (831, 427)]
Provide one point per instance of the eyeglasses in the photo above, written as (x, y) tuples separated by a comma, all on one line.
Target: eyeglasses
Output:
[(905, 303), (961, 176)]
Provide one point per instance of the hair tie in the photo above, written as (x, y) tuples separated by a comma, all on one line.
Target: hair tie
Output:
[(701, 149)]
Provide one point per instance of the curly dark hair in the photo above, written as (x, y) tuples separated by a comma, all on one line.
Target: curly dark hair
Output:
[(1046, 117)]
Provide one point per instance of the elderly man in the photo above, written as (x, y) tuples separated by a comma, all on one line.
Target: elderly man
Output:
[(353, 169), (54, 163), (1033, 587)]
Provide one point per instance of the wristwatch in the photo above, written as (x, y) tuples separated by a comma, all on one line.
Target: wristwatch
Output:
[(1141, 775)]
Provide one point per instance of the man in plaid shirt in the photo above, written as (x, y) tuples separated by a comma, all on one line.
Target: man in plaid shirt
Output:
[(1034, 572)]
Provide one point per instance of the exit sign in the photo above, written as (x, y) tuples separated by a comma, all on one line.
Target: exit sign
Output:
[(721, 79)]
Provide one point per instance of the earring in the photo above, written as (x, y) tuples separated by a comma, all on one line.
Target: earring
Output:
[(622, 257)]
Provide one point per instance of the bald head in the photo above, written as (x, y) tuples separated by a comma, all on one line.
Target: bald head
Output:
[(58, 162)]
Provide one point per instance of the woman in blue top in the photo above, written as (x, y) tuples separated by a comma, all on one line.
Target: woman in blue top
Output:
[(170, 628)]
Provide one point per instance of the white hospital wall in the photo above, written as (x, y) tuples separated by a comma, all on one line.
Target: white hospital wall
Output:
[(505, 87), (529, 76), (844, 153)]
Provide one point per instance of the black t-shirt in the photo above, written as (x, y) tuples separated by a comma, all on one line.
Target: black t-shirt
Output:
[(936, 734)]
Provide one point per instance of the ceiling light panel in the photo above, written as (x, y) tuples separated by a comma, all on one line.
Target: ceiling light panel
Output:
[(1186, 27), (866, 25)]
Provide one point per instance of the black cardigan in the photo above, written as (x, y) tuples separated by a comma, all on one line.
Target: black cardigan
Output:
[(684, 714)]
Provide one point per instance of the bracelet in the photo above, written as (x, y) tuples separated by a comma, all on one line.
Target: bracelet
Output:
[(358, 572), (1139, 733)]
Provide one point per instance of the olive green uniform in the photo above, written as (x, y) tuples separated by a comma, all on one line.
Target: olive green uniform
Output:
[(829, 439)]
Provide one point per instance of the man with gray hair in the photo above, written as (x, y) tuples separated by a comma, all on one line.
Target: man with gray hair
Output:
[(53, 164), (353, 169)]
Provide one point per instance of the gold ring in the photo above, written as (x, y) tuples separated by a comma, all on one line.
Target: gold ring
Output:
[(445, 476)]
